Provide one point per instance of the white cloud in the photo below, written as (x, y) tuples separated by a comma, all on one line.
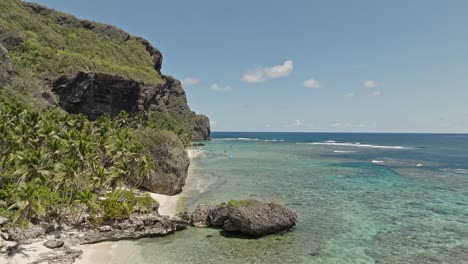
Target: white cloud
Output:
[(372, 84), (262, 74), (218, 88), (296, 123), (190, 81), (350, 94), (312, 84), (376, 93)]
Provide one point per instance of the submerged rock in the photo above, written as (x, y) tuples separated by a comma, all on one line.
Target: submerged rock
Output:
[(250, 217)]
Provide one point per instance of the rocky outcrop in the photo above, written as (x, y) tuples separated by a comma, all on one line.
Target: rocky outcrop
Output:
[(201, 129), (171, 165), (6, 70), (95, 94), (134, 228), (201, 216), (250, 217)]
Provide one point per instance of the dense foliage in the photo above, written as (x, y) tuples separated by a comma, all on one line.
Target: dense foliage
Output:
[(55, 165)]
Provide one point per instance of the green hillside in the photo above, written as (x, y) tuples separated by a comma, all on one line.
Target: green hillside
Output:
[(51, 43)]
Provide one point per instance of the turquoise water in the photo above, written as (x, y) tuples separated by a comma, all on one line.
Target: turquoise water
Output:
[(388, 199)]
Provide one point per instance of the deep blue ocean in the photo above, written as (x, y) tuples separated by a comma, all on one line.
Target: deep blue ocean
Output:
[(361, 198)]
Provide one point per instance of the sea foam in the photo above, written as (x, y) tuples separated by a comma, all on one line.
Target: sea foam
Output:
[(356, 144)]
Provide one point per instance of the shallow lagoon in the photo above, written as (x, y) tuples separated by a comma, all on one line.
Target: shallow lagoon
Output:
[(357, 204)]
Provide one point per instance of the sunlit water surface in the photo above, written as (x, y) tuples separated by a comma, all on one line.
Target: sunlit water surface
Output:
[(361, 198)]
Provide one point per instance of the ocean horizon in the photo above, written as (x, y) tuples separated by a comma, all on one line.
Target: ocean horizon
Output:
[(361, 198)]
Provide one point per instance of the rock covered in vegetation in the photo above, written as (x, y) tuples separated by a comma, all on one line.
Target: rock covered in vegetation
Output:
[(6, 70), (171, 163), (250, 217)]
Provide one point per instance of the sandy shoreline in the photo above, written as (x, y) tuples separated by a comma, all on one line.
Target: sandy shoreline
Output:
[(103, 253)]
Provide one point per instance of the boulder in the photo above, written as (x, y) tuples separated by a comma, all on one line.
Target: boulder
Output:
[(171, 163), (250, 217), (6, 70), (201, 215), (255, 218), (53, 244)]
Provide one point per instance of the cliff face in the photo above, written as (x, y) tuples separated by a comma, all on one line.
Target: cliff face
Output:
[(95, 94)]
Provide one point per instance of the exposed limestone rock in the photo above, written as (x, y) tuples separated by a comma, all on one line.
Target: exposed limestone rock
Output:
[(170, 172), (201, 215), (156, 55), (134, 228), (95, 94), (250, 217), (6, 70)]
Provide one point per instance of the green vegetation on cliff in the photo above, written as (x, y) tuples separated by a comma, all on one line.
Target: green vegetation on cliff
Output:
[(38, 43), (56, 166)]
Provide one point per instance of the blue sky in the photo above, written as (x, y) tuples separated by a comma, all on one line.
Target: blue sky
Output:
[(368, 66)]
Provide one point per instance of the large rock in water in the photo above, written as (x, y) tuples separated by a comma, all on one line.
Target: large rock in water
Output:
[(95, 94), (250, 217), (6, 70)]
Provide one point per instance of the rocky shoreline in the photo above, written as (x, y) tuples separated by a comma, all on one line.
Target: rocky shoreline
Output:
[(69, 244)]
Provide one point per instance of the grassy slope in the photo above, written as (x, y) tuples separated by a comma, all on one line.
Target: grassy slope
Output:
[(50, 50)]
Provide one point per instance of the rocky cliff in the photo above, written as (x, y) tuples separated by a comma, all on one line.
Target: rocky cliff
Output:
[(95, 69), (112, 71), (95, 94)]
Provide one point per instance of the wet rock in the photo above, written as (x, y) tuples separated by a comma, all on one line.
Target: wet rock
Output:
[(54, 244), (201, 216)]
